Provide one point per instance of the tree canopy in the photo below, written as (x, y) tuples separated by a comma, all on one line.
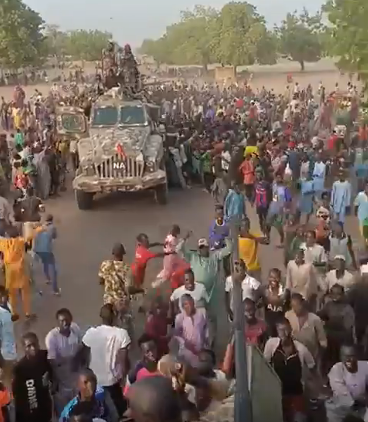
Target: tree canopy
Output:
[(299, 37), (240, 34), (79, 44), (25, 41), (188, 41), (349, 34), (21, 37), (235, 35)]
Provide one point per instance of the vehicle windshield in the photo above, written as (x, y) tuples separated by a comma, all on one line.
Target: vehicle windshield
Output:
[(132, 115), (105, 116), (73, 123)]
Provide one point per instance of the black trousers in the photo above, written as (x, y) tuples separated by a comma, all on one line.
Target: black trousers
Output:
[(116, 394), (208, 179)]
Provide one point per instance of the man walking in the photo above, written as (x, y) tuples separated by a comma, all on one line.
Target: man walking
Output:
[(43, 248)]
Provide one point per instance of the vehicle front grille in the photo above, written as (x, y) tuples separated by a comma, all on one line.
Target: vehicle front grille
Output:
[(128, 167)]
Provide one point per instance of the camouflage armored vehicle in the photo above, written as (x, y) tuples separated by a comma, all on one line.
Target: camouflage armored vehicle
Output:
[(124, 150)]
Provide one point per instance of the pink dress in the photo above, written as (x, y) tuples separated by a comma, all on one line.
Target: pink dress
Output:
[(171, 262)]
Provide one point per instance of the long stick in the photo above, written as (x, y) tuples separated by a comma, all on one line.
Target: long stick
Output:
[(242, 406)]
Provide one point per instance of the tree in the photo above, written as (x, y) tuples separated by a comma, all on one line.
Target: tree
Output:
[(235, 35), (267, 47), (56, 41), (147, 47), (239, 32), (158, 49), (189, 41), (78, 44), (86, 45), (21, 38), (299, 37), (196, 31), (349, 34)]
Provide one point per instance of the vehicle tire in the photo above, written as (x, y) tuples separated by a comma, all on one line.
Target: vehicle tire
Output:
[(161, 194), (84, 200)]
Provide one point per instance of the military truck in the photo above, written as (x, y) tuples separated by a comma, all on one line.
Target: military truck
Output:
[(124, 150)]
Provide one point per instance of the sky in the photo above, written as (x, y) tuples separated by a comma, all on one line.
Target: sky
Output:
[(131, 21)]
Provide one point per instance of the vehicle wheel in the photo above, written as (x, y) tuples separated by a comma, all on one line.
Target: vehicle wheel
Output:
[(84, 200), (161, 194)]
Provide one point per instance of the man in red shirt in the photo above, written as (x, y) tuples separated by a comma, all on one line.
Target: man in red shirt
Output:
[(142, 256), (331, 143)]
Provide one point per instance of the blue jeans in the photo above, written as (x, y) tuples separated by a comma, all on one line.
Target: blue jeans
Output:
[(48, 262)]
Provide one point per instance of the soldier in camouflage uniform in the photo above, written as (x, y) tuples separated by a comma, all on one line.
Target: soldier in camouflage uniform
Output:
[(109, 60), (129, 69)]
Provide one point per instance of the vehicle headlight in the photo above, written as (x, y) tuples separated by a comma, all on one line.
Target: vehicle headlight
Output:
[(151, 166)]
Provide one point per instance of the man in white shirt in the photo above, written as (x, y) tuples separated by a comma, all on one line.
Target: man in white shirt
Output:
[(62, 344), (301, 277), (339, 275), (313, 252), (348, 380), (196, 290), (250, 289), (108, 355)]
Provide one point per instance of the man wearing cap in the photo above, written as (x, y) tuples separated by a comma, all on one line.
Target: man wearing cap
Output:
[(206, 269)]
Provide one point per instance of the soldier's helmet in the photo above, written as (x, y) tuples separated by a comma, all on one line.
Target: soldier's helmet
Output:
[(127, 49)]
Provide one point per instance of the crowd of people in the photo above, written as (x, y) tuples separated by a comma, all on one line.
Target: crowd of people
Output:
[(278, 155), (31, 155)]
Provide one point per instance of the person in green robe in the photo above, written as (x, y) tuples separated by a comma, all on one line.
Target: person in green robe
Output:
[(19, 138)]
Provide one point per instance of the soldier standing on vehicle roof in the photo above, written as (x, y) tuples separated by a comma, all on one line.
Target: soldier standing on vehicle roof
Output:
[(109, 59), (130, 68)]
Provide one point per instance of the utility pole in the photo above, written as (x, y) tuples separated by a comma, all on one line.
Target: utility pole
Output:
[(242, 405)]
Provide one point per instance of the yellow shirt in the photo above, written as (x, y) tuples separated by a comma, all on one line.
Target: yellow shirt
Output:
[(251, 149), (16, 117), (14, 251), (248, 252), (14, 259)]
